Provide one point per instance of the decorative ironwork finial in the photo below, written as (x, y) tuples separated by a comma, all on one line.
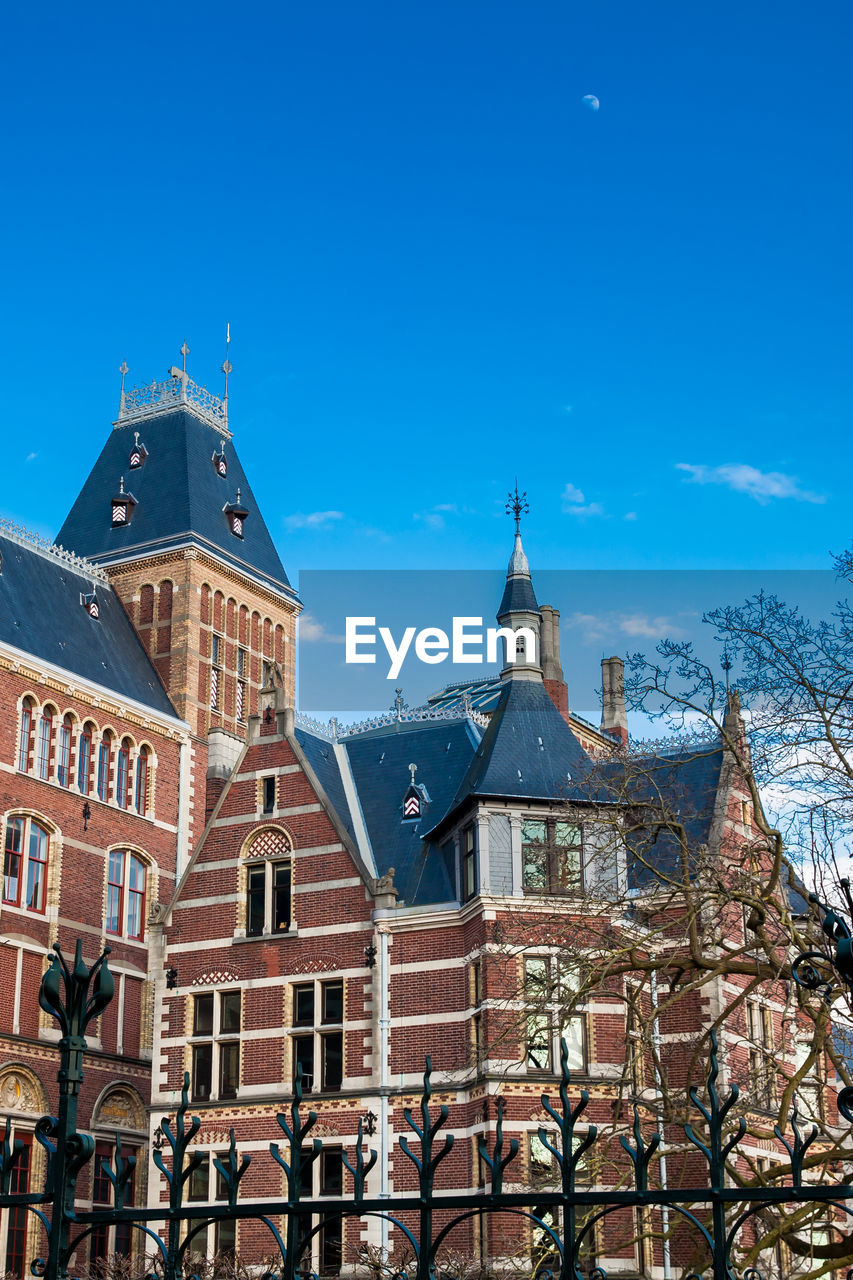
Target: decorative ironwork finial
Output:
[(413, 768), (124, 370), (121, 485), (184, 352), (517, 505), (226, 367), (726, 664)]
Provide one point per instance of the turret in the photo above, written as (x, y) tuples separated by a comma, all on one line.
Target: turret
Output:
[(518, 614)]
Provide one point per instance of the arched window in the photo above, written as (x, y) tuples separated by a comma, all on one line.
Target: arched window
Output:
[(45, 733), (123, 774), (84, 759), (268, 884), (26, 734), (104, 761), (140, 798), (63, 753), (125, 894), (25, 863)]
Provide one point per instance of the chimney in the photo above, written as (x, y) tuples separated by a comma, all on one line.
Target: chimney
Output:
[(614, 719), (549, 648)]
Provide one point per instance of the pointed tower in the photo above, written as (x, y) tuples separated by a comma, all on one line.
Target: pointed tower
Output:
[(188, 552), (518, 611)]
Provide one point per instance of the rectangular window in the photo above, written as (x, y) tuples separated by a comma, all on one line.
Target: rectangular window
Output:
[(552, 1015), (63, 756), (122, 778), (268, 785), (13, 861), (141, 784), (551, 855), (468, 839), (256, 898), (24, 745), (215, 1046), (268, 898), (762, 1062), (241, 663), (17, 1255), (43, 746), (25, 864), (108, 1241), (240, 701), (318, 1043), (104, 770), (36, 868), (84, 764)]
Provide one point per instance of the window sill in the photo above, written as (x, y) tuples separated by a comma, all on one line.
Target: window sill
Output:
[(266, 937)]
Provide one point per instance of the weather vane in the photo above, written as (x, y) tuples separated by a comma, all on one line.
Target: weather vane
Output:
[(517, 505), (226, 367), (726, 664)]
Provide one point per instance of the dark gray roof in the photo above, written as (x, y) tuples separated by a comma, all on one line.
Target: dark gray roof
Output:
[(528, 751), (518, 597), (41, 613), (320, 754), (179, 495), (380, 766)]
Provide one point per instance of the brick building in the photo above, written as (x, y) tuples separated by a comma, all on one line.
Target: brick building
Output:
[(282, 897)]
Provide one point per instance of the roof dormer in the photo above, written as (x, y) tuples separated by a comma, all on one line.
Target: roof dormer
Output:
[(138, 453), (122, 506), (236, 514)]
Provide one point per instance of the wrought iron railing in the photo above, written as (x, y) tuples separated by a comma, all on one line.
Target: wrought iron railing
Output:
[(567, 1213)]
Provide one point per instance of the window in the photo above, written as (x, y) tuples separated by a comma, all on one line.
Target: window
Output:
[(26, 734), (551, 855), (635, 1043), (18, 1256), (108, 1241), (140, 794), (268, 786), (215, 1045), (63, 754), (25, 864), (240, 696), (476, 983), (811, 1087), (550, 994), (468, 838), (762, 1063), (104, 759), (221, 1236), (318, 1038), (125, 894), (267, 898), (215, 671), (123, 774), (45, 733), (84, 762)]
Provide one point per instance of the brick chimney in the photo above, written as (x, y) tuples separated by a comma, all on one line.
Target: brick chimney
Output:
[(549, 648), (614, 718)]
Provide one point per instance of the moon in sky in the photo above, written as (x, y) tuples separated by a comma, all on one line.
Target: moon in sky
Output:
[(589, 100)]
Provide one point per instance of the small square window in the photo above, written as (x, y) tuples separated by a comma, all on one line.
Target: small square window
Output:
[(303, 1005)]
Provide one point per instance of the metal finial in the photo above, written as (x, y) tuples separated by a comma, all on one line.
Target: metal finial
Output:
[(123, 370), (226, 368), (517, 505), (726, 664), (136, 438), (413, 768), (184, 352), (121, 485), (238, 496)]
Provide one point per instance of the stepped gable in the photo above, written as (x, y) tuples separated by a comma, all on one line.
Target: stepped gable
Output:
[(180, 492), (380, 761), (41, 614)]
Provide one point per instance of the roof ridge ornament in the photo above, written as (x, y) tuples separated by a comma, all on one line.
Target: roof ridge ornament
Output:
[(226, 369), (177, 390), (517, 505), (35, 542)]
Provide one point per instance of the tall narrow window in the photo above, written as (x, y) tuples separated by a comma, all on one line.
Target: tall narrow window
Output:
[(25, 864), (26, 733), (215, 672), (125, 894), (469, 862), (104, 758), (216, 1044), (63, 753), (123, 773), (240, 697), (318, 1039), (45, 734), (17, 1254), (84, 761), (140, 797)]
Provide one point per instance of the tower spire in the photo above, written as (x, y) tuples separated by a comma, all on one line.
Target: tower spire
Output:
[(517, 505)]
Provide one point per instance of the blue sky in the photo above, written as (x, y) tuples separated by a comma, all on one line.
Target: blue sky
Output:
[(442, 268)]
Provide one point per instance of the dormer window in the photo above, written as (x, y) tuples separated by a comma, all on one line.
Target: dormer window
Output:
[(138, 453), (236, 514), (413, 800), (220, 462), (90, 604), (122, 505)]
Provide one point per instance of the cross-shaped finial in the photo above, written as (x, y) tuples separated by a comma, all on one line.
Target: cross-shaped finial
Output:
[(517, 505), (185, 352), (123, 370), (726, 664), (413, 768)]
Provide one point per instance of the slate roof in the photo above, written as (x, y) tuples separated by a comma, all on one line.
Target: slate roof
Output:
[(483, 694), (180, 497), (41, 613), (518, 597), (320, 753), (527, 751)]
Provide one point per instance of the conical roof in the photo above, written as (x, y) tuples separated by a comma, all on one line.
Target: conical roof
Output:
[(518, 596)]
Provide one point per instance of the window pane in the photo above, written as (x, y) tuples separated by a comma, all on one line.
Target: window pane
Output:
[(303, 1056), (200, 1182), (113, 921), (333, 1002), (536, 977), (202, 1070), (333, 1059), (230, 1011), (331, 1252), (281, 896), (12, 866), (303, 1005), (225, 1237), (572, 1032), (229, 1068), (203, 1015), (534, 854), (538, 1041), (85, 764), (255, 900), (331, 1172)]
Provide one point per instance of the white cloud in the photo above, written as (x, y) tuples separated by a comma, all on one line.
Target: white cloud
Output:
[(312, 520), (575, 504), (309, 628), (596, 627), (434, 518), (31, 457), (638, 624), (763, 486), (630, 515)]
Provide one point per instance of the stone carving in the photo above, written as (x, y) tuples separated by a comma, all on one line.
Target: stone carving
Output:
[(19, 1092), (121, 1109)]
